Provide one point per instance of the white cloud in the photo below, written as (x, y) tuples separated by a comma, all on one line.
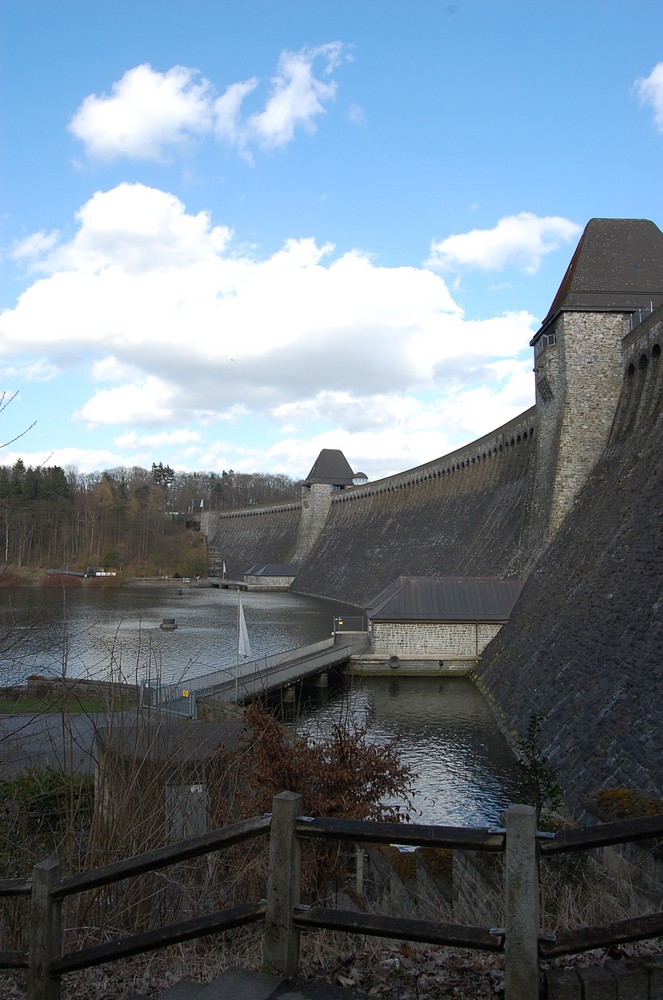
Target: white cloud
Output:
[(172, 330), (297, 97), (146, 113), (82, 459), (149, 114), (178, 436), (650, 91), (146, 403), (521, 240), (33, 370), (356, 114)]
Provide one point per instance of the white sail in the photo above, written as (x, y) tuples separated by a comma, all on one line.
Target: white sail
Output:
[(243, 644)]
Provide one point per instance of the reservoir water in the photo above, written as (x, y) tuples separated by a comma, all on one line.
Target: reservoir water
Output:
[(465, 772)]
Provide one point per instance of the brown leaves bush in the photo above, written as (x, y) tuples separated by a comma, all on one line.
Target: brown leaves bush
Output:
[(345, 776)]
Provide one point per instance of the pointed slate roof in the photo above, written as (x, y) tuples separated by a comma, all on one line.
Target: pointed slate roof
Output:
[(445, 599), (617, 267), (330, 467)]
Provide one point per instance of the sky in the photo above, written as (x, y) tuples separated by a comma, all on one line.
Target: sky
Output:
[(233, 234)]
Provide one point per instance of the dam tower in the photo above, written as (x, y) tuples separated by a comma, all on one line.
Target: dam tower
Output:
[(616, 270)]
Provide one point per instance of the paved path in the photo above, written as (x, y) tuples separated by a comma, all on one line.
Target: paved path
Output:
[(51, 739)]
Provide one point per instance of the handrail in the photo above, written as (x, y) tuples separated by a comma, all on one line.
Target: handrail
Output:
[(161, 857), (13, 959), (15, 886), (284, 916), (379, 925), (410, 834), (160, 937), (604, 834), (586, 938)]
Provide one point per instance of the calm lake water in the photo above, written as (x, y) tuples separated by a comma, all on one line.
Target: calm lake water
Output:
[(465, 771)]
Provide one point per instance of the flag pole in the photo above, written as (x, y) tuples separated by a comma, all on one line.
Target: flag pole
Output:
[(239, 612)]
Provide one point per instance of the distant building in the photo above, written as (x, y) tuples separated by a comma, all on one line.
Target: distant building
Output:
[(271, 576), (330, 473)]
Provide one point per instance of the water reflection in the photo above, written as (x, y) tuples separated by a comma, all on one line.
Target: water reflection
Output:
[(116, 632), (465, 772)]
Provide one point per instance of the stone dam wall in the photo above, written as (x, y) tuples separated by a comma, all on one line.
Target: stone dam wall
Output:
[(461, 514), (584, 646), (243, 538)]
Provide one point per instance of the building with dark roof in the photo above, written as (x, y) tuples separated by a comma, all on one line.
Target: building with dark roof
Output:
[(616, 267), (443, 618), (270, 576), (614, 274), (330, 474), (331, 468)]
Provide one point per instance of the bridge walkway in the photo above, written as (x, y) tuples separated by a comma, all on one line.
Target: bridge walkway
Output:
[(256, 677)]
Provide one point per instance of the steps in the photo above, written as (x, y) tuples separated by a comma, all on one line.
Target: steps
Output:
[(242, 984)]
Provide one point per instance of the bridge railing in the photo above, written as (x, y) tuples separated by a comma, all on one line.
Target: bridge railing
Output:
[(284, 916), (156, 694)]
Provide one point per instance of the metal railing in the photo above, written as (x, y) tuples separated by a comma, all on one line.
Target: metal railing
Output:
[(285, 917), (637, 317), (183, 694)]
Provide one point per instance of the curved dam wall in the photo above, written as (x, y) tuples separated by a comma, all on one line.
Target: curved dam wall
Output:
[(461, 514), (584, 646), (243, 538)]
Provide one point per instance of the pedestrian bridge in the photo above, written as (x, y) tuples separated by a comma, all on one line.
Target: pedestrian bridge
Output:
[(255, 678)]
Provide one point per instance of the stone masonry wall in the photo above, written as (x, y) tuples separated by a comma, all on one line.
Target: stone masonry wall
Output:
[(584, 645), (243, 538), (316, 500), (432, 638), (578, 381), (461, 514)]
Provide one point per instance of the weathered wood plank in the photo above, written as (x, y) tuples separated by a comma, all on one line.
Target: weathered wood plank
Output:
[(13, 959), (378, 925), (15, 886), (586, 938), (164, 856), (602, 834), (160, 937), (413, 834)]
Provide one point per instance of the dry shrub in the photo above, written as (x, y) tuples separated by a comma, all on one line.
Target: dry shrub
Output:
[(346, 776)]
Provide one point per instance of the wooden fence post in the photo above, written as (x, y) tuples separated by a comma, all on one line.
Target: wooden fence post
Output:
[(45, 931), (281, 948), (521, 891)]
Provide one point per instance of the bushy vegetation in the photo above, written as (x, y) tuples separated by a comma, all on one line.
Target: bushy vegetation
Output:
[(541, 785), (345, 776), (139, 521), (626, 803)]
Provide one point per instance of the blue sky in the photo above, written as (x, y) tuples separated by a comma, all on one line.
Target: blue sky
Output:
[(234, 234)]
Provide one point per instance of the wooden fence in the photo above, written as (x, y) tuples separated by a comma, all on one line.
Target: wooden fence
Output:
[(285, 917)]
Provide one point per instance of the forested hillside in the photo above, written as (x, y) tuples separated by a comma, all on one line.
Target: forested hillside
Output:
[(139, 521)]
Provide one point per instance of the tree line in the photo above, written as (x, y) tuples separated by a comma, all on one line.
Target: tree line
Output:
[(130, 519)]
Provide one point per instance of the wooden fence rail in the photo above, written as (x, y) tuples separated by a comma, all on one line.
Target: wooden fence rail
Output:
[(285, 917)]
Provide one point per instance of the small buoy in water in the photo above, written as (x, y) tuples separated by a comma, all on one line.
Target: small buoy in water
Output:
[(168, 623)]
